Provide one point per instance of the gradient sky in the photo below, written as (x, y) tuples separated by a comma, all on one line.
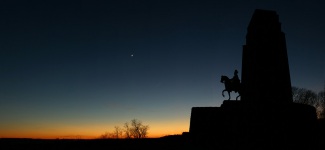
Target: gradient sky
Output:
[(71, 69)]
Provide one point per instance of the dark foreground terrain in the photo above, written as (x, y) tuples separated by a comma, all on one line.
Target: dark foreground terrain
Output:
[(141, 144), (100, 144)]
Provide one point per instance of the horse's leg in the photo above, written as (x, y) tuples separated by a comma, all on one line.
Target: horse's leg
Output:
[(222, 92), (237, 97)]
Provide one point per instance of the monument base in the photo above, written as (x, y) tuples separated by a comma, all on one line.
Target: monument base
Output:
[(237, 122)]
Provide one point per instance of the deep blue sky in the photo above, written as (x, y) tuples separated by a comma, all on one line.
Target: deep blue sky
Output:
[(79, 68)]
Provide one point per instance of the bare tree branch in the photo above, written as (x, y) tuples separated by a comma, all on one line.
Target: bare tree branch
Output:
[(127, 130), (136, 130)]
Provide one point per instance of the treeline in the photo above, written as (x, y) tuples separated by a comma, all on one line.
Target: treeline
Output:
[(309, 97), (133, 129)]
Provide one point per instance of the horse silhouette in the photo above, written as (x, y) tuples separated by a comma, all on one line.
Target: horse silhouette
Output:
[(230, 85)]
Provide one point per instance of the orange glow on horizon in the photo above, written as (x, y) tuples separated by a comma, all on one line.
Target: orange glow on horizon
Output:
[(156, 130), (61, 136)]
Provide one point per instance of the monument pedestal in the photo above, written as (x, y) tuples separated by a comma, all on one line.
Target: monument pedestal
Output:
[(237, 122)]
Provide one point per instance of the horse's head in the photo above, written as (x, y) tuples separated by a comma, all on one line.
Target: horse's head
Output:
[(223, 79)]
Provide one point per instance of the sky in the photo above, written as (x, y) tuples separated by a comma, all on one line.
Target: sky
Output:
[(78, 68)]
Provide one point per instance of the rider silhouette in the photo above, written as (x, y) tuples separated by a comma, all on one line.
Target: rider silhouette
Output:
[(235, 80)]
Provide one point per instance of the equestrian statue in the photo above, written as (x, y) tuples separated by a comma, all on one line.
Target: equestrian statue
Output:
[(231, 84)]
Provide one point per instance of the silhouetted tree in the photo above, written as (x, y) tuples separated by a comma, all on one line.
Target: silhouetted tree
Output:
[(106, 135), (321, 105), (305, 96), (118, 132), (127, 130), (132, 129), (135, 129)]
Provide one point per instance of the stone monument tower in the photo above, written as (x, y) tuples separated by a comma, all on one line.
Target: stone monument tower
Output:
[(265, 68), (265, 114)]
